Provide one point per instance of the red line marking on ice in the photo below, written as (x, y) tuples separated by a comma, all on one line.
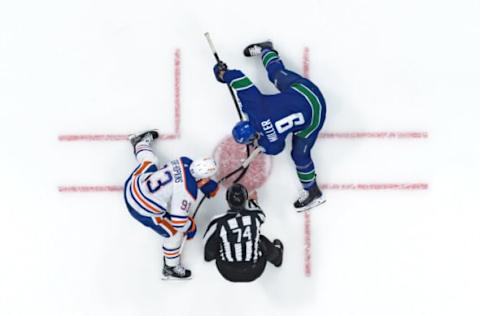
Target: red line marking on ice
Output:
[(89, 188), (375, 186), (307, 236), (104, 138), (414, 186), (308, 244), (322, 135), (177, 74), (380, 135), (123, 137)]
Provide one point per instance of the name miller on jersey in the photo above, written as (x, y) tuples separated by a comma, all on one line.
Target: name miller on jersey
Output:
[(269, 130)]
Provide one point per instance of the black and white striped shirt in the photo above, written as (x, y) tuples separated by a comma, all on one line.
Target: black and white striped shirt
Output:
[(234, 236)]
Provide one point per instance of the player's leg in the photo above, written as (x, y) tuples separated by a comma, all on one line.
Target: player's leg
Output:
[(156, 223), (141, 143), (281, 77), (172, 245), (301, 155), (142, 146), (172, 248), (163, 227), (273, 251)]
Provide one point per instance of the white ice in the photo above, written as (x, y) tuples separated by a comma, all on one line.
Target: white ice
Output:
[(106, 67)]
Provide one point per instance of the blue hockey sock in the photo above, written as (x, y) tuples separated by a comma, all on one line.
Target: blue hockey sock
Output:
[(308, 185), (307, 176), (269, 56)]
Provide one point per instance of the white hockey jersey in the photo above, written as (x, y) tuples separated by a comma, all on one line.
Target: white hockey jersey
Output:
[(154, 192)]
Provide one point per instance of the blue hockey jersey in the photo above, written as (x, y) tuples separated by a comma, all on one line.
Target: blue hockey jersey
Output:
[(299, 109)]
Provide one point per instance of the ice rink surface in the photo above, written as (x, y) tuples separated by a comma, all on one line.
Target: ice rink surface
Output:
[(113, 67)]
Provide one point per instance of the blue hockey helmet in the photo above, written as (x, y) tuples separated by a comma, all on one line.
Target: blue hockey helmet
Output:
[(243, 132)]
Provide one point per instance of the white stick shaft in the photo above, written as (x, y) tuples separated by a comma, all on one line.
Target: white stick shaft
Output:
[(252, 156), (209, 39)]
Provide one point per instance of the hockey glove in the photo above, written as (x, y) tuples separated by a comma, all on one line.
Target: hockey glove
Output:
[(219, 70), (192, 230), (208, 187)]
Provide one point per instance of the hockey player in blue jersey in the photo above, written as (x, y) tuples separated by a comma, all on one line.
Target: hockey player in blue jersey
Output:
[(299, 109)]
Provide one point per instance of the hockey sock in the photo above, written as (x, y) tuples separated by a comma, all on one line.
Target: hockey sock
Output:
[(172, 256), (308, 185), (172, 248), (144, 152), (269, 56), (307, 176)]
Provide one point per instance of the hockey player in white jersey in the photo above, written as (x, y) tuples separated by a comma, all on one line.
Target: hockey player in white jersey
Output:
[(161, 197)]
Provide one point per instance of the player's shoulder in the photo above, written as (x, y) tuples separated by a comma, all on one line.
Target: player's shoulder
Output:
[(183, 176)]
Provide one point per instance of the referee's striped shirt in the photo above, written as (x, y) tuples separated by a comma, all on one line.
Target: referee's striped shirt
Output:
[(234, 236)]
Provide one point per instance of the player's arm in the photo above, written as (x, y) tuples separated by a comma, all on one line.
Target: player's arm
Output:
[(208, 187), (179, 214), (271, 148), (246, 91), (211, 241)]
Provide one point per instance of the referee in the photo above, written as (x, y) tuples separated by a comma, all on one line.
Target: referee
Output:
[(234, 240)]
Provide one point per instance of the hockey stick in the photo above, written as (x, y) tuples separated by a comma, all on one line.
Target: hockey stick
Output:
[(215, 54), (217, 58), (243, 166)]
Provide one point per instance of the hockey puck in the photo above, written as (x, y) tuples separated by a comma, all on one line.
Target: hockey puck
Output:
[(229, 156)]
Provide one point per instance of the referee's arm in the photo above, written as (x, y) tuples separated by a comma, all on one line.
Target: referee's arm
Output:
[(211, 241)]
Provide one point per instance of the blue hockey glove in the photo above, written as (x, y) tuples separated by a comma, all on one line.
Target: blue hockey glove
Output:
[(209, 187), (219, 70), (192, 230)]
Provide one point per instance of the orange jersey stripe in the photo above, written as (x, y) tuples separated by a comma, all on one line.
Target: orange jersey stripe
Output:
[(167, 253), (138, 195), (166, 224), (178, 221), (142, 168)]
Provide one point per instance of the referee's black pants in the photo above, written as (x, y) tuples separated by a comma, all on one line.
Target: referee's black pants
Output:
[(247, 271)]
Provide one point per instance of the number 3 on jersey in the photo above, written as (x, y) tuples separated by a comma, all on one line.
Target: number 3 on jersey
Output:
[(163, 178)]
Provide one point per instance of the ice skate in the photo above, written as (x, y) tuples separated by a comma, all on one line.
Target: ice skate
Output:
[(148, 136), (177, 272), (256, 48), (277, 243), (309, 199)]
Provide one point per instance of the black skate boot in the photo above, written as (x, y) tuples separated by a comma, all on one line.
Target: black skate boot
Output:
[(177, 272), (277, 243), (149, 135), (309, 199), (256, 48)]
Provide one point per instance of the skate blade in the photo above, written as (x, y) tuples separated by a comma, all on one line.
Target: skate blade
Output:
[(132, 136), (172, 278), (314, 203)]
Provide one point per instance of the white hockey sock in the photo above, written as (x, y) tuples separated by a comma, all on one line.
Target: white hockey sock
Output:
[(144, 152), (172, 249)]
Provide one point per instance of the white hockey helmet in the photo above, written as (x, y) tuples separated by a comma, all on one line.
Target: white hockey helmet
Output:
[(203, 168)]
